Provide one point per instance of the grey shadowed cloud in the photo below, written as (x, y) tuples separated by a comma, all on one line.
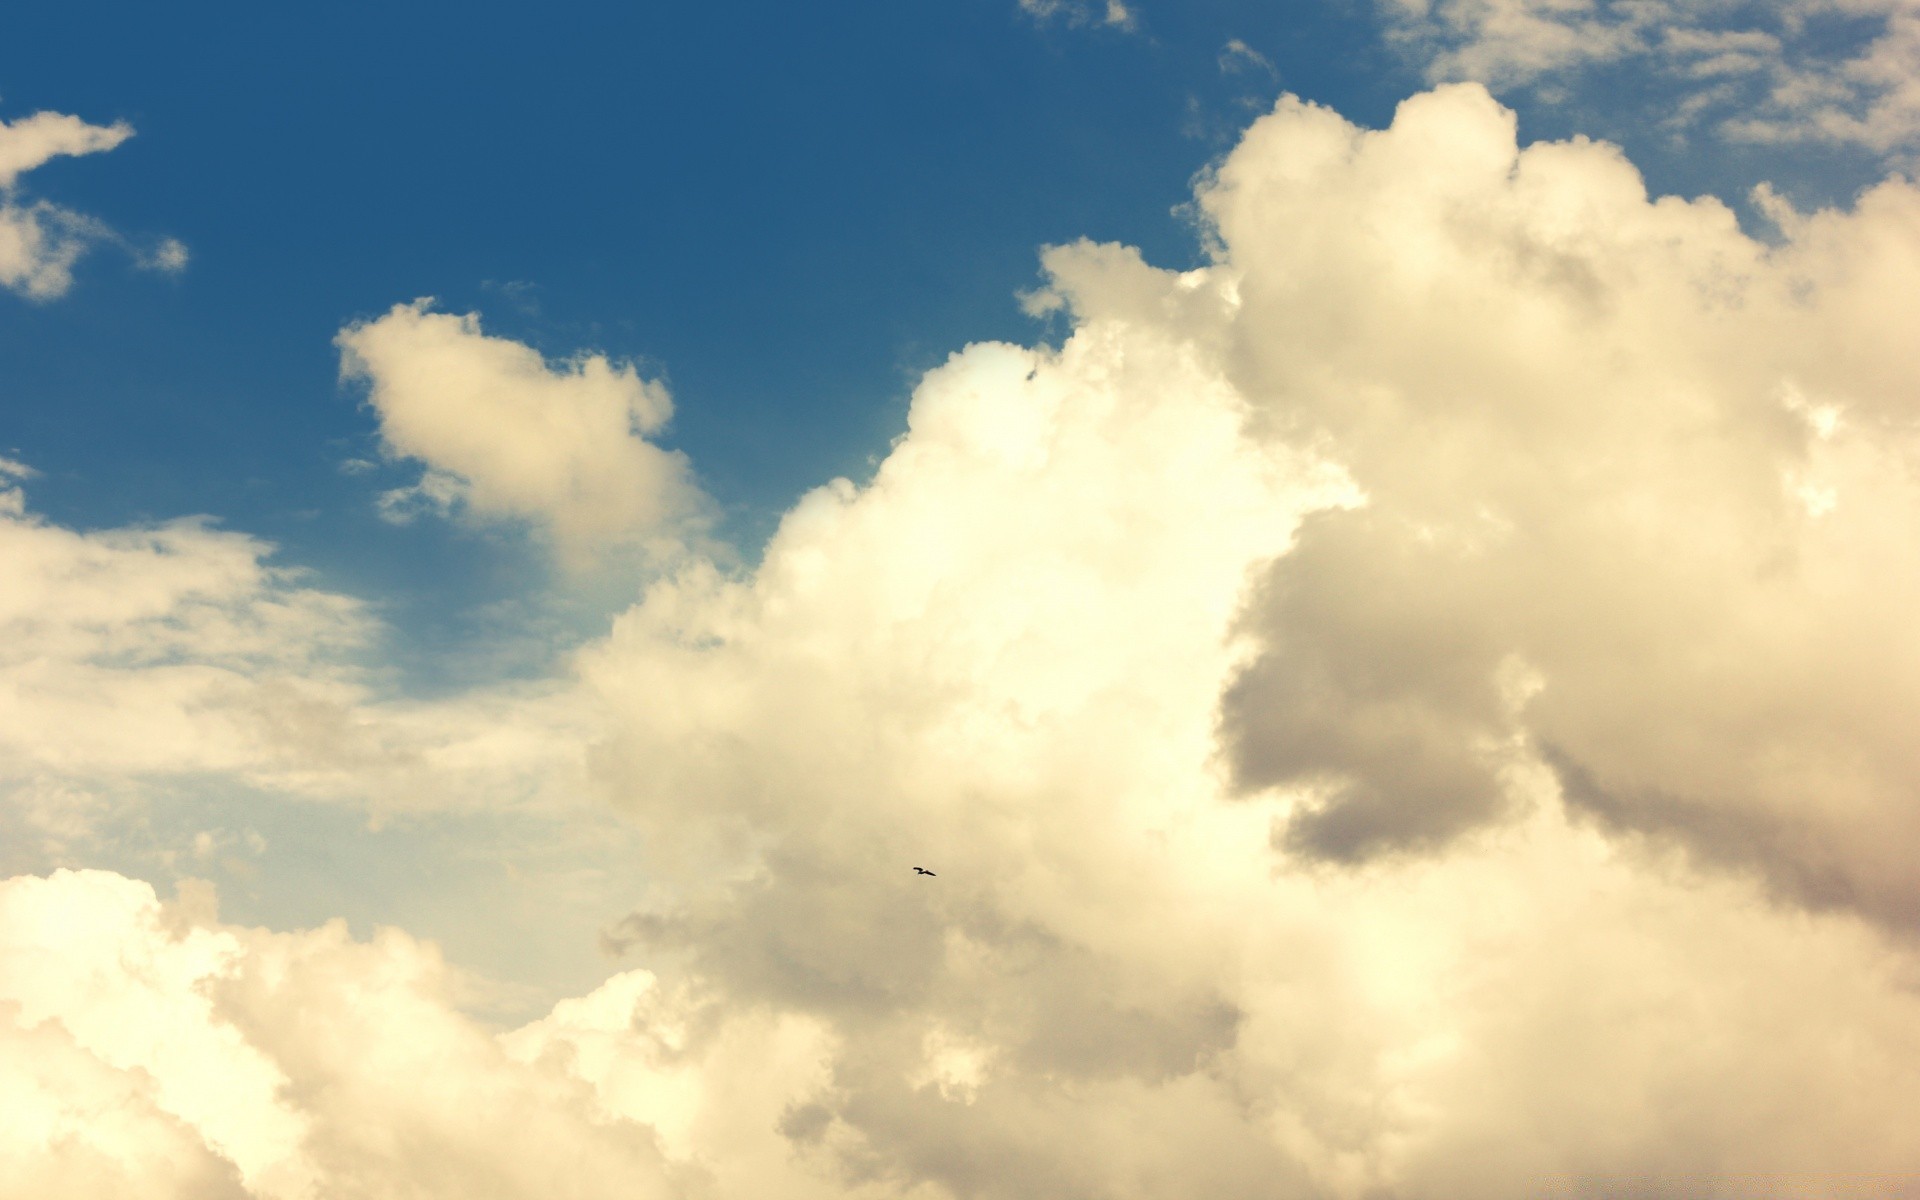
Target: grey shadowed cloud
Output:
[(1638, 489)]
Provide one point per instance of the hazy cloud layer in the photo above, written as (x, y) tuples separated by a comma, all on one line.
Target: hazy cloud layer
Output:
[(504, 434), (138, 655), (1410, 709), (1841, 71), (39, 241)]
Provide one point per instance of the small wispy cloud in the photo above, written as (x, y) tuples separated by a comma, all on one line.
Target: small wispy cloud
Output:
[(41, 241), (1115, 14), (170, 255), (1236, 57), (1840, 72)]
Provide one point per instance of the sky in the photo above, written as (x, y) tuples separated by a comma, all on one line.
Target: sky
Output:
[(1368, 544)]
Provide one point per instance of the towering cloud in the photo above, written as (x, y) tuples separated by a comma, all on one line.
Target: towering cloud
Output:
[(1412, 708), (1485, 504), (505, 435)]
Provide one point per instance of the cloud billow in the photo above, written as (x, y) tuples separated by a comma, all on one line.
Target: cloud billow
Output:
[(1467, 485), (1299, 679), (1639, 490)]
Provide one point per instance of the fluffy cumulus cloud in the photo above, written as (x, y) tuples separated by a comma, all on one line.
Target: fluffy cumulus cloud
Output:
[(506, 435), (40, 241), (176, 1058), (1838, 71), (1640, 499), (1492, 531), (1411, 708)]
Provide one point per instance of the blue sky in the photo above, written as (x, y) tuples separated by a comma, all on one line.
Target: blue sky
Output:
[(1361, 602), (788, 213)]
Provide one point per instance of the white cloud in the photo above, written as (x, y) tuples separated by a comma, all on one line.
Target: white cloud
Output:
[(39, 241), (1761, 72), (74, 1127), (1535, 558), (153, 1048), (1583, 563), (1540, 1010), (505, 435), (169, 255)]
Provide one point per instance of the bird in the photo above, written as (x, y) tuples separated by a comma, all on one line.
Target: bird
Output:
[(922, 871)]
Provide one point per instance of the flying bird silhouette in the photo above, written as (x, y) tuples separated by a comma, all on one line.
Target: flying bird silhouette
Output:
[(922, 871)]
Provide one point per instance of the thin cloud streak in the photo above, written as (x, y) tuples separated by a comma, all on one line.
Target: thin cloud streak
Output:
[(1114, 14), (1840, 72)]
